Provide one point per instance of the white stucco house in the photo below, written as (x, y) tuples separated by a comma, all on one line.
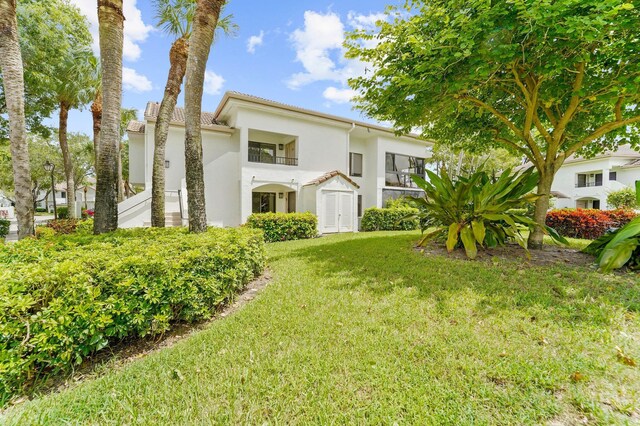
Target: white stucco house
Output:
[(585, 183), (260, 156)]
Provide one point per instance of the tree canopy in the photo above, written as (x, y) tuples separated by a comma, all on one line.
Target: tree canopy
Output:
[(45, 48)]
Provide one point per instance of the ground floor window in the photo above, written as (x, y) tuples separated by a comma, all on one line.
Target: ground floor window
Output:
[(359, 205), (263, 202)]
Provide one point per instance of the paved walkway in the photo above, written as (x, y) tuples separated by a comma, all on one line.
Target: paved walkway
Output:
[(13, 227)]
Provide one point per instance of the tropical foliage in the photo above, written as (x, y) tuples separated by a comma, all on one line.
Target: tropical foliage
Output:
[(63, 299), (4, 228), (477, 210), (396, 218), (618, 248), (587, 223), (542, 79)]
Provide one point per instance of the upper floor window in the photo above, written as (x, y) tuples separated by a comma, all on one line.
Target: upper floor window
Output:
[(613, 175), (399, 168), (355, 164), (588, 179)]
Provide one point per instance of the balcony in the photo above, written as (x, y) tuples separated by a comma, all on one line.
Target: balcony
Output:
[(588, 184), (266, 158)]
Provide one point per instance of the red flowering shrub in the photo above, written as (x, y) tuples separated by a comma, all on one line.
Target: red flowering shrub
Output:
[(63, 226), (587, 223)]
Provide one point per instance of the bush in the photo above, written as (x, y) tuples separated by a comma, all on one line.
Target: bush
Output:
[(44, 232), (587, 223), (619, 248), (389, 219), (622, 199), (284, 226), (4, 228), (63, 226), (63, 299), (85, 227), (63, 212), (400, 202), (41, 210)]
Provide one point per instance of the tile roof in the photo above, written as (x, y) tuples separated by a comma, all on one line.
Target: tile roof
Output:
[(135, 126), (206, 118), (325, 177)]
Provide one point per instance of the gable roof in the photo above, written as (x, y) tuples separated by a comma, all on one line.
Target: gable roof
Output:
[(153, 108), (135, 126), (330, 175), (292, 108)]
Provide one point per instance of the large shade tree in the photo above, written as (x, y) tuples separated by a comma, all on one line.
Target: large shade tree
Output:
[(545, 80), (111, 30), (13, 81), (204, 25), (174, 17)]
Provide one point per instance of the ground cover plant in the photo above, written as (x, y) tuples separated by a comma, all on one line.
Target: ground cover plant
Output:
[(619, 248), (65, 298), (284, 226), (4, 228), (477, 210), (363, 328)]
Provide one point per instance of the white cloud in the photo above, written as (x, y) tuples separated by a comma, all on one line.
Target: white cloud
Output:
[(131, 80), (319, 48), (255, 41), (135, 30), (212, 83), (339, 96)]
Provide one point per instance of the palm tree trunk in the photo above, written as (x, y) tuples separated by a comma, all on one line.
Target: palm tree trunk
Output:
[(96, 114), (111, 23), (204, 25), (178, 60), (66, 158), (13, 78)]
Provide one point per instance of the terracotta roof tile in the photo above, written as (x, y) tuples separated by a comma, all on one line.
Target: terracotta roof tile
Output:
[(206, 118), (135, 126), (325, 177)]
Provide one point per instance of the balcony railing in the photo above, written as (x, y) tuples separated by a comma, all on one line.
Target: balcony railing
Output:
[(270, 159), (588, 184)]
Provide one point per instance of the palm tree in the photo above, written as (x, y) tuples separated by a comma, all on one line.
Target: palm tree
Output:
[(111, 25), (175, 17), (204, 25), (126, 116), (72, 93), (13, 78)]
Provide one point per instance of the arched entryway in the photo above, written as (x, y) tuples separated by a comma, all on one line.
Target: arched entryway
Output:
[(274, 198)]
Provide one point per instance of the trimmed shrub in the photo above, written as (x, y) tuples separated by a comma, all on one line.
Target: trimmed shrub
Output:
[(63, 213), (44, 232), (375, 219), (622, 199), (4, 228), (41, 210), (587, 223), (284, 226), (63, 299)]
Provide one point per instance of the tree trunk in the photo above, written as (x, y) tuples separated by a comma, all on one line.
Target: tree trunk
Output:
[(178, 60), (204, 25), (542, 205), (66, 158), (96, 113), (111, 23), (13, 78)]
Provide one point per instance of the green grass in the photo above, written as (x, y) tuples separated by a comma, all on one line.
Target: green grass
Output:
[(363, 329)]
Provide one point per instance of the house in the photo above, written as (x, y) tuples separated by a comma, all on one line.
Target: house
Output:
[(85, 197), (265, 156), (586, 182)]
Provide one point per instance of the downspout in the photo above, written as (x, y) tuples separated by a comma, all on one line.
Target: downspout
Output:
[(354, 216)]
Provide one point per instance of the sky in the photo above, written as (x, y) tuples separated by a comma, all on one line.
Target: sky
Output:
[(286, 50)]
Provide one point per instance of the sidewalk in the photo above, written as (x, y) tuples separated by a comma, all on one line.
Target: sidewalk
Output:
[(13, 227)]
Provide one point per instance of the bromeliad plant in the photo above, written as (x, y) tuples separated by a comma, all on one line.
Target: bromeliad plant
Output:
[(618, 248), (476, 210)]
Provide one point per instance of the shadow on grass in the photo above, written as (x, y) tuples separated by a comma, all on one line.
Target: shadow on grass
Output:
[(384, 264)]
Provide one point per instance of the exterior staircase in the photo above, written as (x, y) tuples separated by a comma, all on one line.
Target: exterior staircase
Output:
[(171, 219)]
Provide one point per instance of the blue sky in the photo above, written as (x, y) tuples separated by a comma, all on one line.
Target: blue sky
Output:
[(287, 50)]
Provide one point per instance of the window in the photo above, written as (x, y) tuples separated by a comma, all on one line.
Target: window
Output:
[(355, 164), (399, 169), (613, 175), (588, 179), (263, 202), (359, 205), (260, 152), (63, 194), (596, 204)]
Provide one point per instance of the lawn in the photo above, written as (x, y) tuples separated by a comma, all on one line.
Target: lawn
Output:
[(363, 329)]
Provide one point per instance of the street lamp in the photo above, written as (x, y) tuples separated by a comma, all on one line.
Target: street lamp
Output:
[(50, 167)]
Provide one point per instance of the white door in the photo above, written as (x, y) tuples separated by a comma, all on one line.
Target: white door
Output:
[(337, 209)]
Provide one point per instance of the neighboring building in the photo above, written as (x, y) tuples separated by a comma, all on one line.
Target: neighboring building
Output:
[(585, 183), (85, 197), (262, 156)]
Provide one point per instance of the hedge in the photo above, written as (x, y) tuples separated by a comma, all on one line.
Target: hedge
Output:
[(63, 299), (4, 228), (284, 226), (587, 223), (375, 219)]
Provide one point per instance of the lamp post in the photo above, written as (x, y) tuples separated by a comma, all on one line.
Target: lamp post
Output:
[(50, 167)]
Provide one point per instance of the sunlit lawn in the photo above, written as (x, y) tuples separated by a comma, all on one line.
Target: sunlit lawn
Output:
[(363, 329)]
